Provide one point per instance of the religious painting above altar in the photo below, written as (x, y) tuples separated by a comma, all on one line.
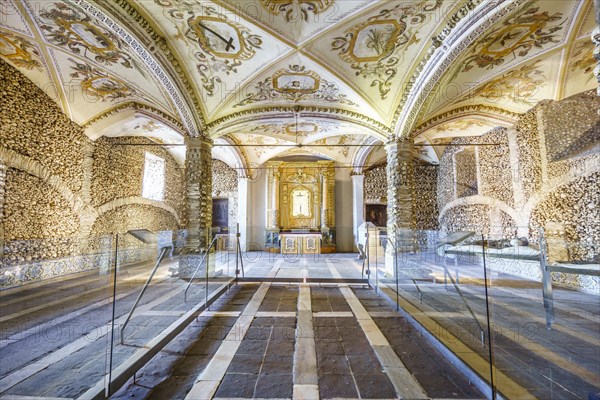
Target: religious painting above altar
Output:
[(301, 202)]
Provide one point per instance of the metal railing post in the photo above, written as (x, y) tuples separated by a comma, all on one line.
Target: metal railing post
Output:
[(197, 268), (546, 282), (489, 326), (367, 255), (395, 250), (206, 284), (158, 261), (237, 239), (112, 322)]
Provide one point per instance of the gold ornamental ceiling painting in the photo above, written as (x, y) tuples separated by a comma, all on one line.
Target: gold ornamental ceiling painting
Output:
[(321, 77)]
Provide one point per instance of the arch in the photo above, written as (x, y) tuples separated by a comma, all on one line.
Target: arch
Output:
[(590, 166), (33, 167), (134, 200), (481, 200), (362, 155), (235, 152)]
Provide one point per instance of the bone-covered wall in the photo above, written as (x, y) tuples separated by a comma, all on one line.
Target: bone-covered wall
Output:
[(59, 189), (543, 174), (225, 186)]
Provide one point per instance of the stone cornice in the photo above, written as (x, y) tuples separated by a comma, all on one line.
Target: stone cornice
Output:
[(308, 111), (143, 108), (507, 116)]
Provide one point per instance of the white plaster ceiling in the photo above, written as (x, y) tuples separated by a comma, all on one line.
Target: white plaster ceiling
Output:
[(248, 72)]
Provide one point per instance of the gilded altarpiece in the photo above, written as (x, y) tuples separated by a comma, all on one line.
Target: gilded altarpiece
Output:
[(301, 203)]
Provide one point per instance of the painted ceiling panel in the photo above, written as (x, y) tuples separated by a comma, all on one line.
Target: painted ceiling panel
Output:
[(92, 90), (297, 80), (516, 90), (491, 65), (376, 51), (221, 50)]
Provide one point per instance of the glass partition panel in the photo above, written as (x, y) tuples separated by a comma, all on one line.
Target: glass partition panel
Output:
[(55, 305), (545, 302), (435, 277), (163, 282)]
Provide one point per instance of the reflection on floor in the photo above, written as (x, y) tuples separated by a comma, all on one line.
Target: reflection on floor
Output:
[(300, 340)]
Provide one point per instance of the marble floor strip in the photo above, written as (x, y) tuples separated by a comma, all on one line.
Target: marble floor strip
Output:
[(209, 380), (405, 384), (305, 357)]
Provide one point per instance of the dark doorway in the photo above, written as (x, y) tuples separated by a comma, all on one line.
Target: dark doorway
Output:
[(377, 214), (220, 213)]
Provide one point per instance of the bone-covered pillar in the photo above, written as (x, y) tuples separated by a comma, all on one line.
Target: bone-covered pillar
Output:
[(198, 175), (400, 209)]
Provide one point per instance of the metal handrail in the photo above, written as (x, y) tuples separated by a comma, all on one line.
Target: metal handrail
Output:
[(198, 267), (158, 261)]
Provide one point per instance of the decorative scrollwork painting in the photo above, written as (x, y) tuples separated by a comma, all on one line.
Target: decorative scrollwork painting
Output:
[(295, 84), (68, 26), (374, 48)]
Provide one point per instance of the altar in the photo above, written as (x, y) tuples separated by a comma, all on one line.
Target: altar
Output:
[(300, 207), (300, 243)]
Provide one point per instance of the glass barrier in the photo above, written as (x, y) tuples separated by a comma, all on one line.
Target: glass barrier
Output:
[(529, 310), (163, 281), (55, 304), (545, 301), (432, 282)]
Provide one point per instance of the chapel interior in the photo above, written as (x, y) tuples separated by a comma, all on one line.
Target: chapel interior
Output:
[(299, 199)]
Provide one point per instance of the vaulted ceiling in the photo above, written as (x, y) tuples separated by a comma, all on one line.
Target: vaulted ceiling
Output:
[(319, 77)]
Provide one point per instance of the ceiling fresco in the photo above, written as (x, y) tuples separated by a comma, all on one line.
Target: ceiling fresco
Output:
[(498, 66), (376, 51), (318, 76), (297, 21)]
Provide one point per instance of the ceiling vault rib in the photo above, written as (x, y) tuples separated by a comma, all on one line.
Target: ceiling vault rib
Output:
[(578, 21), (181, 105), (48, 59)]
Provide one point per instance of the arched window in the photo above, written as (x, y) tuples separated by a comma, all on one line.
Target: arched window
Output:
[(153, 184)]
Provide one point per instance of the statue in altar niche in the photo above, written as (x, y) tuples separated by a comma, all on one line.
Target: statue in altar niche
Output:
[(301, 207)]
